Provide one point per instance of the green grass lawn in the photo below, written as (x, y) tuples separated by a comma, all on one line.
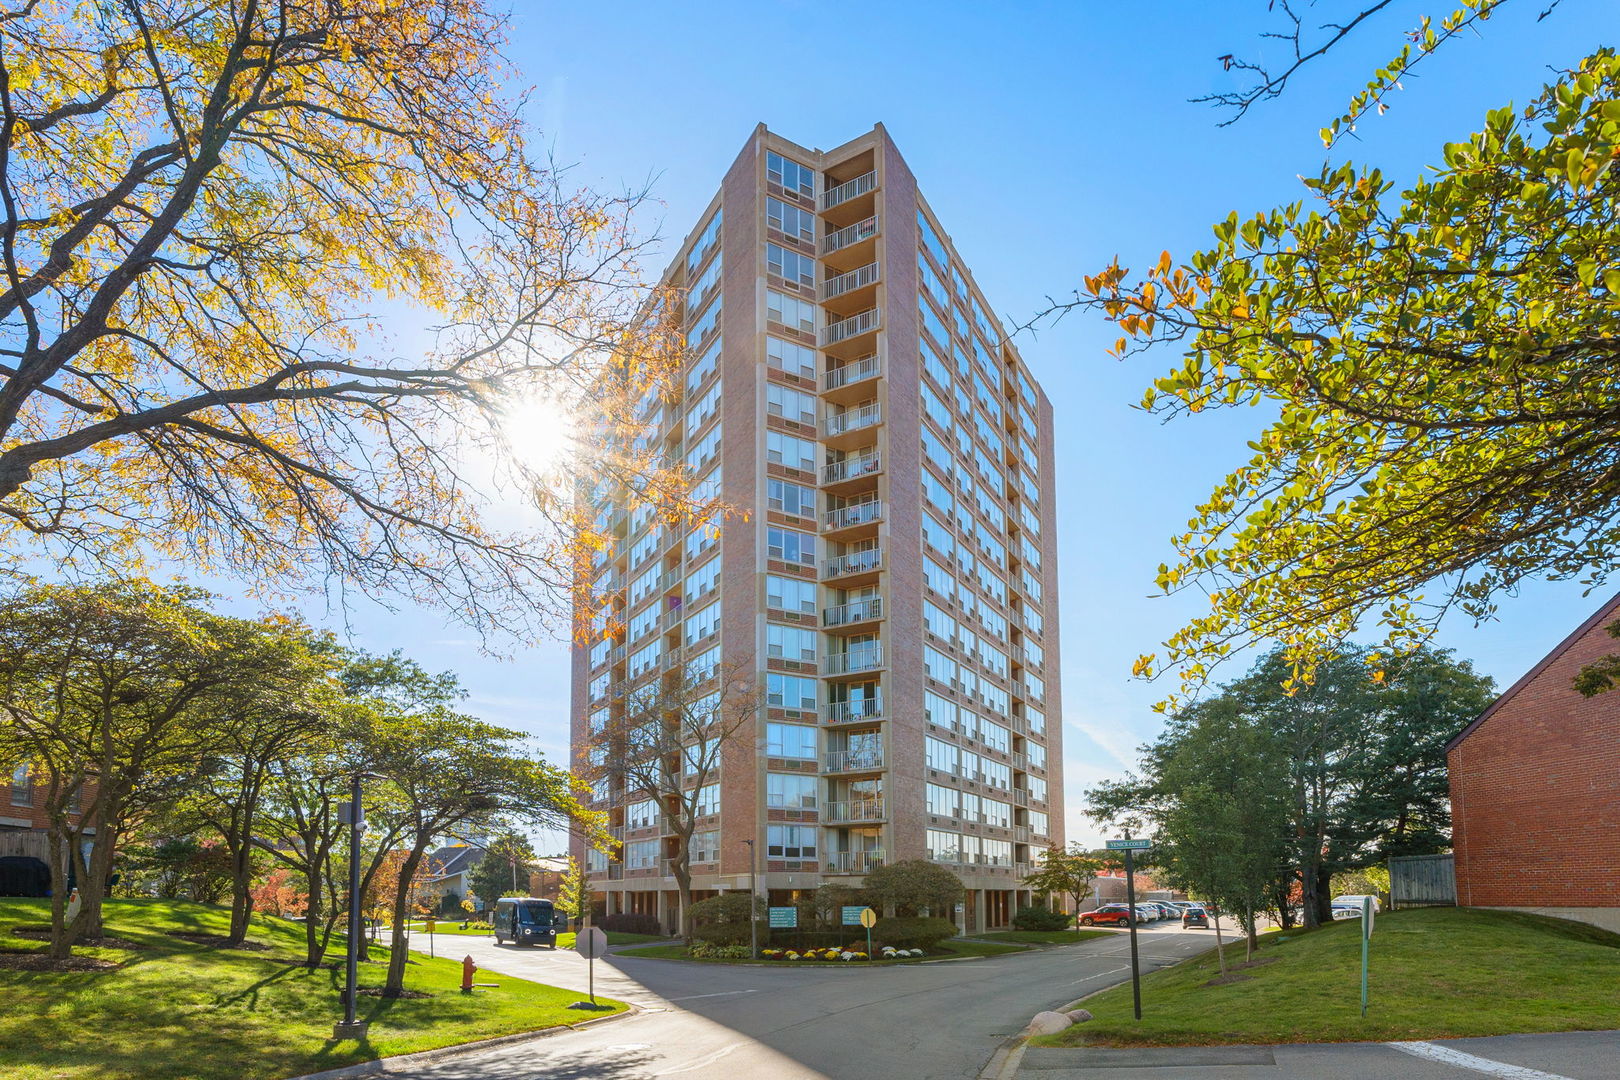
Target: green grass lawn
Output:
[(1043, 937), (1434, 973), (951, 948), (178, 1011)]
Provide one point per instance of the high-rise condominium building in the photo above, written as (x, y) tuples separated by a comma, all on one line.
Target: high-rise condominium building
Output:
[(894, 583)]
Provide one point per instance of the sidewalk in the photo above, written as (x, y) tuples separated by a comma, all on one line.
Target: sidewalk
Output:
[(1577, 1055)]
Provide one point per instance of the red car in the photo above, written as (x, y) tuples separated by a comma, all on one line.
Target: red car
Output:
[(1107, 915)]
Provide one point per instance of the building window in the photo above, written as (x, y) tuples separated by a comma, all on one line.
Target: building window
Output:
[(790, 220), (790, 451), (790, 546), (790, 791), (22, 786), (790, 692), (707, 801), (789, 174), (641, 855), (940, 754), (790, 841), (790, 643), (705, 846), (790, 311), (790, 594), (790, 498), (941, 801), (790, 266), (790, 741), (790, 404), (703, 623), (705, 242), (791, 357), (943, 846), (641, 815)]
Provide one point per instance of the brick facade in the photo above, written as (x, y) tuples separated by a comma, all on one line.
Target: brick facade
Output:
[(1535, 791)]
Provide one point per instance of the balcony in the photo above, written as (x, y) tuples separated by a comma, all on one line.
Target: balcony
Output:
[(856, 562), (839, 761), (867, 367), (849, 189), (852, 661), (847, 282), (859, 711), (853, 862), (847, 517), (863, 416), (855, 810), (850, 234), (1021, 834), (854, 326), (855, 611), (851, 468)]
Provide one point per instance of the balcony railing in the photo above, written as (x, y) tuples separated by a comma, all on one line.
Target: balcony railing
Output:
[(853, 862), (854, 279), (863, 513), (850, 234), (853, 419), (851, 468), (865, 658), (847, 712), (855, 325), (867, 367), (848, 190), (856, 562), (861, 760), (853, 612), (869, 809)]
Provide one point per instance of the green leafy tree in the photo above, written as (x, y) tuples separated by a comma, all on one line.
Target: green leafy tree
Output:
[(913, 886), (573, 891), (1071, 873), (1363, 757), (124, 684), (1439, 357), (503, 869)]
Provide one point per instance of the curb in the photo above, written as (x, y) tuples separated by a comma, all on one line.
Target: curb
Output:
[(380, 1066)]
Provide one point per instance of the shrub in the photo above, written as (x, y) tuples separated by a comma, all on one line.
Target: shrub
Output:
[(704, 950), (1037, 917), (913, 932), (626, 923), (911, 885), (723, 919)]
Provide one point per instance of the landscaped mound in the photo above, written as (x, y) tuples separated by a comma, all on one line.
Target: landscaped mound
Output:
[(1434, 973)]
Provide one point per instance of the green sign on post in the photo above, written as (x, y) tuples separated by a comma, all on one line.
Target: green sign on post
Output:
[(784, 917), (1366, 937), (852, 914), (1141, 844)]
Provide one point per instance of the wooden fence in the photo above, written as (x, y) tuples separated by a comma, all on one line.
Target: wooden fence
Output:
[(1422, 881)]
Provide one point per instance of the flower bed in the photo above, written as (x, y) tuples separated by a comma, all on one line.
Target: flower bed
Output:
[(837, 954)]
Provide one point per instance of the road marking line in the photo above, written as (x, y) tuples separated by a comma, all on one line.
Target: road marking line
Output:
[(1447, 1056), (708, 1059), (1099, 975)]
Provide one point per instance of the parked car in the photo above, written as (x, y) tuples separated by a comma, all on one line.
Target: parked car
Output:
[(1350, 900), (1155, 910), (1107, 915), (1147, 912), (1194, 915), (1170, 910)]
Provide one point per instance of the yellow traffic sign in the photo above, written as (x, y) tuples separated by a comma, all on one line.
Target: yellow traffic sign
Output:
[(868, 918)]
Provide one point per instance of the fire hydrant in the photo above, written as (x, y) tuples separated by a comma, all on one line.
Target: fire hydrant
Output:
[(467, 970)]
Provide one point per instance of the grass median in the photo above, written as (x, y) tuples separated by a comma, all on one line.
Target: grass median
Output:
[(176, 1010), (1042, 937), (1434, 973)]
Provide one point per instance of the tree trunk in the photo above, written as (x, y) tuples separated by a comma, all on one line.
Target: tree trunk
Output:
[(61, 942), (683, 886), (1253, 943), (1220, 950), (241, 890), (1324, 895), (399, 951)]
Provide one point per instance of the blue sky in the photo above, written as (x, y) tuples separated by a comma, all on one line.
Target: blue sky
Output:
[(1047, 137)]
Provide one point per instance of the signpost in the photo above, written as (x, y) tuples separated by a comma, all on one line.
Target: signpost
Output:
[(590, 943), (430, 938), (868, 919), (1366, 936), (1130, 847)]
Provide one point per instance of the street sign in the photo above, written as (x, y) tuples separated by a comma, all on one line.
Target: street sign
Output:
[(1129, 845), (868, 918), (851, 915), (591, 942), (787, 917)]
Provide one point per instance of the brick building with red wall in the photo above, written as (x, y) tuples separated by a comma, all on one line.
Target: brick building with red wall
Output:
[(1535, 790)]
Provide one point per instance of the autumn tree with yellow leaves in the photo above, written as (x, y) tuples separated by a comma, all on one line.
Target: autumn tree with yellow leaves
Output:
[(270, 273)]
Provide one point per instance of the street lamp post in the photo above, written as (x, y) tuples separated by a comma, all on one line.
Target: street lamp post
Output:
[(753, 902), (350, 1027)]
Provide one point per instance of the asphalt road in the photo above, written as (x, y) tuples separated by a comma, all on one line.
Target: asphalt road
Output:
[(927, 1021)]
